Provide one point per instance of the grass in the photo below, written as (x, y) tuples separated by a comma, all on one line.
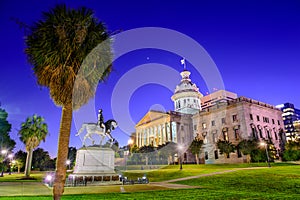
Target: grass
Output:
[(37, 177), (281, 181), (173, 172), (272, 183)]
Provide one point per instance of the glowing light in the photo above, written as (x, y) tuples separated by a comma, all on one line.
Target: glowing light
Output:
[(4, 151), (68, 162), (130, 142), (48, 177), (262, 144)]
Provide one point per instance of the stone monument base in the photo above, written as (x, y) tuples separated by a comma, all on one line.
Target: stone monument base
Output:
[(94, 166)]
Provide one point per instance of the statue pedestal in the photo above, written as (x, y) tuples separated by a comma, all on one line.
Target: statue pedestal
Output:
[(95, 160), (94, 165)]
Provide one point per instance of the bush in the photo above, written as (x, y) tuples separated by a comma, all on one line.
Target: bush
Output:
[(291, 155)]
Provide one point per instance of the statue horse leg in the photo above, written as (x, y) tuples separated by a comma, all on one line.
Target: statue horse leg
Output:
[(102, 138), (80, 130)]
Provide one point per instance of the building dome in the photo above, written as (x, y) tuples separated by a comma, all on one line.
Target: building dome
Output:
[(187, 96)]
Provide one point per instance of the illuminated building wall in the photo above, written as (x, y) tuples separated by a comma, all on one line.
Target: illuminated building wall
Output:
[(290, 114)]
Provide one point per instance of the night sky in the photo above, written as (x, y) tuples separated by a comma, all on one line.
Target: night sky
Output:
[(255, 46)]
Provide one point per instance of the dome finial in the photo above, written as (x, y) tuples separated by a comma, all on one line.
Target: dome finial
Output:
[(183, 63)]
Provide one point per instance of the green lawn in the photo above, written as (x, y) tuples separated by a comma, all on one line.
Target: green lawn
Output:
[(272, 183), (14, 177), (173, 172), (281, 181)]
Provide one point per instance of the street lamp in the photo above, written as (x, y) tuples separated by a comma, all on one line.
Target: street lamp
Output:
[(129, 143), (10, 156), (3, 152), (127, 152), (266, 147), (180, 148)]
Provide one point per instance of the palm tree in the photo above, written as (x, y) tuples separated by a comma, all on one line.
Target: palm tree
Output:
[(225, 147), (195, 148), (247, 147), (32, 132), (57, 47)]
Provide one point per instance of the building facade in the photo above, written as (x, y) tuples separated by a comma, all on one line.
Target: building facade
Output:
[(233, 121), (218, 116), (291, 119)]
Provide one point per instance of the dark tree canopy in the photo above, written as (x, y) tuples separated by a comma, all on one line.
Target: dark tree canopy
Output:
[(5, 127), (61, 44)]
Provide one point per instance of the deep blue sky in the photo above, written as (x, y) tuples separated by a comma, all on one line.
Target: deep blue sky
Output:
[(255, 45)]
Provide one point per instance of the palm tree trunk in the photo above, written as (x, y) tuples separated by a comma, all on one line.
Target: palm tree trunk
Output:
[(62, 153), (28, 163), (197, 159), (248, 158)]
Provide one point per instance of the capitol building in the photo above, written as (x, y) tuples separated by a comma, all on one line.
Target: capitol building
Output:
[(221, 115)]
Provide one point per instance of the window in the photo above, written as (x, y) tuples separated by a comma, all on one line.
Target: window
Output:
[(273, 121), (251, 117), (195, 127), (223, 121), (253, 132), (225, 135), (214, 137), (275, 134), (213, 123), (237, 134), (257, 117), (268, 134), (204, 125), (216, 154), (266, 119), (206, 155), (278, 122), (234, 118), (260, 132)]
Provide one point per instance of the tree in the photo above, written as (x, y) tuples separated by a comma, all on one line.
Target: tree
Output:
[(147, 150), (6, 143), (247, 147), (32, 132), (134, 149), (195, 148), (41, 160), (225, 147), (57, 47), (292, 151), (72, 156), (168, 150), (258, 155), (20, 157)]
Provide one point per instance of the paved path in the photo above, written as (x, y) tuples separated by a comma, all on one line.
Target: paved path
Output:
[(172, 185)]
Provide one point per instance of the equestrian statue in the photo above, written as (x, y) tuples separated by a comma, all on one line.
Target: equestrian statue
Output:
[(101, 128)]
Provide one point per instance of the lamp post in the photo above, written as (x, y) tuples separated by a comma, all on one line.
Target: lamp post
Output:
[(3, 152), (180, 148), (10, 156), (127, 151), (266, 147)]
